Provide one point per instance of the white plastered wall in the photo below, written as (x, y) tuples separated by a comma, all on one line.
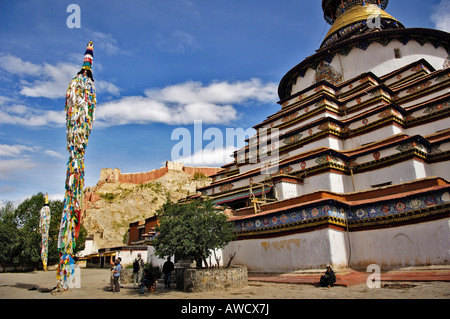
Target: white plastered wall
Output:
[(309, 250), (421, 244), (378, 59), (402, 172), (426, 243)]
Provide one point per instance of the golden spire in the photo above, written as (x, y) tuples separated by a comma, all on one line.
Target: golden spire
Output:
[(349, 16)]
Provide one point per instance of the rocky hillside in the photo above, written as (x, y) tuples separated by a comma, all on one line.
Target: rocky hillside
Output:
[(111, 205)]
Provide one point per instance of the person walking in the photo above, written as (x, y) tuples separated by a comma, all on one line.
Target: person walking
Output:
[(138, 268), (168, 267)]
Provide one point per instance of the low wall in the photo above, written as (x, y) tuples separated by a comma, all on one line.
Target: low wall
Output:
[(204, 280), (126, 276)]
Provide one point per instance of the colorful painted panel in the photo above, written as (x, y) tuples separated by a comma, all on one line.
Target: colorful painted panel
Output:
[(289, 117), (331, 208), (438, 107), (292, 139), (325, 72), (419, 87), (392, 207), (291, 216), (411, 145), (329, 158), (226, 187)]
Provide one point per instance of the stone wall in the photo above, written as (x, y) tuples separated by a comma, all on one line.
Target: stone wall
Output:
[(203, 280), (140, 178), (108, 175), (126, 276), (207, 171)]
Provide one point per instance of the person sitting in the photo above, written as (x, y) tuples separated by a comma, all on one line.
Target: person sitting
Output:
[(148, 281), (328, 279)]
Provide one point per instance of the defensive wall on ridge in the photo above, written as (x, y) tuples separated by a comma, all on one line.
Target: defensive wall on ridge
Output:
[(109, 175)]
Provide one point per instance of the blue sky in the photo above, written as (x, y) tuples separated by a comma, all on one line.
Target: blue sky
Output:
[(158, 67)]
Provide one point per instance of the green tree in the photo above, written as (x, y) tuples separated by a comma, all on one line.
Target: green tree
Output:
[(192, 229), (27, 221), (20, 238), (9, 237)]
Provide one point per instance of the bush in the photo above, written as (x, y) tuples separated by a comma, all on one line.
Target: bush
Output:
[(154, 270)]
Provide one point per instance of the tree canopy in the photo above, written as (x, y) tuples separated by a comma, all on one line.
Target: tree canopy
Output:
[(20, 239), (194, 229)]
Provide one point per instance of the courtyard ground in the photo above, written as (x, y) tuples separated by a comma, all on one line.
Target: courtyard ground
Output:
[(413, 282), (421, 283)]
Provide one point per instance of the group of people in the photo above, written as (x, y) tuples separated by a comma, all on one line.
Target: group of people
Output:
[(142, 277)]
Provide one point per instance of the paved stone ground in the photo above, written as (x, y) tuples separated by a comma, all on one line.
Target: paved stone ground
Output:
[(403, 292), (350, 277), (408, 283)]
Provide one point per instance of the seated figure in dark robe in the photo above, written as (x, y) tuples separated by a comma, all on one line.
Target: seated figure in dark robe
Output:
[(328, 279), (148, 280)]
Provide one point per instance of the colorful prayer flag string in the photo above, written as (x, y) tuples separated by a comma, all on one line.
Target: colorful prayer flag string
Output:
[(80, 109), (44, 226)]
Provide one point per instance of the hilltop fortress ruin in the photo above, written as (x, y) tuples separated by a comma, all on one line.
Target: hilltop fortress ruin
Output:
[(119, 199)]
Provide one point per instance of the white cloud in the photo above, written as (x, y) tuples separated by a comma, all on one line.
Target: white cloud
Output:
[(103, 86), (183, 103), (216, 92), (21, 160), (209, 157), (186, 102), (10, 167), (16, 65), (40, 81), (54, 154), (441, 16), (14, 150), (25, 116), (53, 82), (46, 80)]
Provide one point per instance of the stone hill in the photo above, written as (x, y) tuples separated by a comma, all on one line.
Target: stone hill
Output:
[(119, 199)]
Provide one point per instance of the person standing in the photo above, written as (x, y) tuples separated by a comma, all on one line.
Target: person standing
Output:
[(116, 275), (168, 267), (138, 268), (111, 278)]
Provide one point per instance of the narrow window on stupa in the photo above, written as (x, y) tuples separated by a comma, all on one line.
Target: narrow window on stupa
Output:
[(381, 185), (397, 53)]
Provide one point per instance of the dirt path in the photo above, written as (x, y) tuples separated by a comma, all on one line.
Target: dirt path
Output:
[(95, 285)]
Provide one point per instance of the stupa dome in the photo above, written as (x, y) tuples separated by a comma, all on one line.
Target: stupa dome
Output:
[(355, 17)]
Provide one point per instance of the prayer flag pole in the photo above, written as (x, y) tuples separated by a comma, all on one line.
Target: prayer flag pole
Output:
[(44, 225), (80, 108)]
